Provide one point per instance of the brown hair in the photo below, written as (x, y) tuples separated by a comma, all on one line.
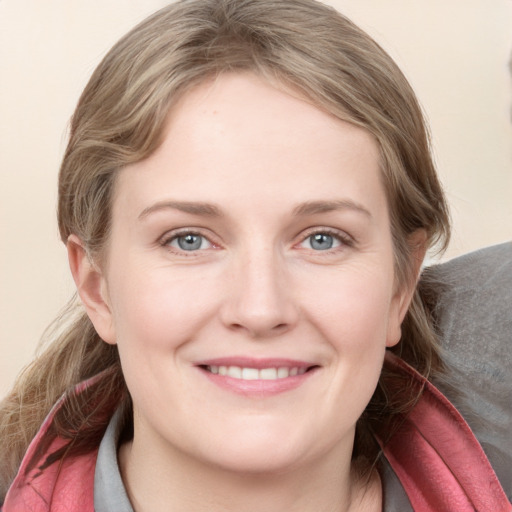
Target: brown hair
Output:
[(120, 119)]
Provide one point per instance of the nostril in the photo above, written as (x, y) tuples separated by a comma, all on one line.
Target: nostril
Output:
[(259, 329)]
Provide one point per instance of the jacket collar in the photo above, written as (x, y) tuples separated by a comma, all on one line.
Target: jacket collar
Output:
[(62, 485), (435, 455)]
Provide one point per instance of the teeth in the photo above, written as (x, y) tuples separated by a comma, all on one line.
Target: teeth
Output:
[(254, 374), (235, 372), (268, 373), (283, 373), (250, 374)]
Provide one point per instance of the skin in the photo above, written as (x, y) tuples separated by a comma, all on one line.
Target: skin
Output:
[(256, 288)]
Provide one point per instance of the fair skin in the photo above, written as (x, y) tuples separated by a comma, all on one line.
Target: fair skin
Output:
[(255, 242)]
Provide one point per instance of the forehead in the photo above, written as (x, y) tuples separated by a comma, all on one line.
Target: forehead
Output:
[(248, 105), (239, 134)]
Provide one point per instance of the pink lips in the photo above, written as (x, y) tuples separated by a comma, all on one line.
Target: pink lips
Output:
[(257, 377)]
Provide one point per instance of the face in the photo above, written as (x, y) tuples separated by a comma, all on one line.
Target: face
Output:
[(249, 280)]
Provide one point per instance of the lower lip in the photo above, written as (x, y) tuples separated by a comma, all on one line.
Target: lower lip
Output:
[(258, 388)]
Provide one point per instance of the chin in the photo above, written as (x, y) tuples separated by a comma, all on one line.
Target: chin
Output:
[(262, 450), (257, 460)]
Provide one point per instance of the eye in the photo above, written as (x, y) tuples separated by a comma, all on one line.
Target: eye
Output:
[(189, 242), (324, 241)]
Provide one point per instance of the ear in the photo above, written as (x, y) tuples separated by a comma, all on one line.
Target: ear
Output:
[(403, 295), (92, 289)]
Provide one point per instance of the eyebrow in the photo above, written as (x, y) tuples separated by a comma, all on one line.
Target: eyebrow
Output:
[(203, 209), (314, 207), (211, 210)]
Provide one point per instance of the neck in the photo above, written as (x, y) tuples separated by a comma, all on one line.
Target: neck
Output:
[(153, 484)]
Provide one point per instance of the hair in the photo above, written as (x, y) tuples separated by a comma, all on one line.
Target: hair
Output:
[(120, 119)]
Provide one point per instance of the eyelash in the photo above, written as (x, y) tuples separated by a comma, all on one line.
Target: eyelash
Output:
[(344, 239), (168, 238)]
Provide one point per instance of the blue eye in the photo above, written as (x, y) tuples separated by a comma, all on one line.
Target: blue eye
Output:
[(190, 242), (321, 242)]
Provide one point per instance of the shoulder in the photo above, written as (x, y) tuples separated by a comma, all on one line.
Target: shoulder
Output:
[(479, 282), (57, 471), (473, 312)]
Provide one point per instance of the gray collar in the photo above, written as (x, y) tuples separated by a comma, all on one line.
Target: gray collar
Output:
[(109, 492)]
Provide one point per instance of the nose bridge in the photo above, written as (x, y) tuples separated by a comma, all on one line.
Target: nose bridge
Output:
[(260, 301)]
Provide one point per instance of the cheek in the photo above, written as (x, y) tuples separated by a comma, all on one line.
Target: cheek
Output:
[(352, 307), (354, 318), (157, 310), (156, 314)]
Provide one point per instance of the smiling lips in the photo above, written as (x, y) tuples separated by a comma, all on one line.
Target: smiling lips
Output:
[(236, 372), (257, 377)]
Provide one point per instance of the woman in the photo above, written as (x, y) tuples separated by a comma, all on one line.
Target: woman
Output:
[(246, 198)]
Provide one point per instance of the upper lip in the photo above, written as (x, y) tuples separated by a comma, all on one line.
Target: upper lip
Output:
[(258, 363)]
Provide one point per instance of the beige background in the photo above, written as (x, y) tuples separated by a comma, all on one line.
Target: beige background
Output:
[(455, 53)]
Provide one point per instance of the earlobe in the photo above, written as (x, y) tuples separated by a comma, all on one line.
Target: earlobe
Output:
[(404, 295), (91, 286)]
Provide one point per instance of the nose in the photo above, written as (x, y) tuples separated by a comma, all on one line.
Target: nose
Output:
[(259, 299)]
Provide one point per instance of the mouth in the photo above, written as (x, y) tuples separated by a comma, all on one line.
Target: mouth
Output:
[(250, 373), (257, 377)]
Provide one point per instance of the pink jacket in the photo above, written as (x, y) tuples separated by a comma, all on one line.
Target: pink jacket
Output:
[(439, 462), (61, 487)]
